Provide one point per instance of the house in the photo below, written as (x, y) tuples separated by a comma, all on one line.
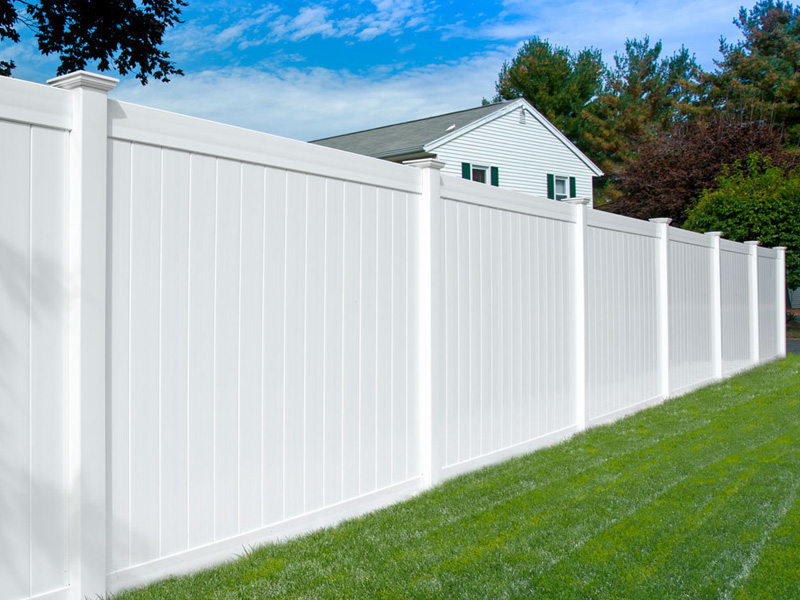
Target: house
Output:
[(507, 144)]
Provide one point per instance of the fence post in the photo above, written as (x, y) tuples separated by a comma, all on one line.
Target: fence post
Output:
[(430, 279), (780, 280), (87, 329), (663, 304), (579, 281), (716, 301), (752, 294)]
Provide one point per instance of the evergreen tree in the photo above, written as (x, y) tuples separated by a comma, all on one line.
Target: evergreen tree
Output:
[(762, 71), (554, 80), (644, 94)]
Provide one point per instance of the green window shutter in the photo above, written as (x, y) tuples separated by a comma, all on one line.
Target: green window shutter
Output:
[(466, 171), (495, 176), (551, 186), (572, 186)]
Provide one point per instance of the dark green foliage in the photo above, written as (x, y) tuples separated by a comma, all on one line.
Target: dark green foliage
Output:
[(122, 34), (762, 70), (696, 498), (755, 201), (556, 81)]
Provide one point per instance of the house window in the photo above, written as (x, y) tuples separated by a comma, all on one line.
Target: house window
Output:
[(480, 174), (561, 188)]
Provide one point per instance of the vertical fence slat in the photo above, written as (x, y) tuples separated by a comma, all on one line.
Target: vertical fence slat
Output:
[(294, 347), (145, 352), (350, 342), (251, 467), (334, 330), (174, 351), (227, 293), (200, 343), (384, 398), (314, 344), (274, 366), (15, 228)]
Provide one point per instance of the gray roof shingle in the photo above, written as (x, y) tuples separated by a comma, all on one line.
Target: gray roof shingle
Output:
[(408, 137)]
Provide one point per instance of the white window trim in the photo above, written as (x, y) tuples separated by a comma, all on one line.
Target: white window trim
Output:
[(486, 173), (561, 179)]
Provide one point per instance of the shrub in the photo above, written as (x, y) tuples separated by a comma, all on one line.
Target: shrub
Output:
[(757, 201)]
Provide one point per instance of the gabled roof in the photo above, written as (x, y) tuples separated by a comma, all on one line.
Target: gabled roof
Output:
[(408, 137), (425, 135)]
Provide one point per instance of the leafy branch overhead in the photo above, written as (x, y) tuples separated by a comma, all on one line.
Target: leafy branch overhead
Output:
[(125, 35)]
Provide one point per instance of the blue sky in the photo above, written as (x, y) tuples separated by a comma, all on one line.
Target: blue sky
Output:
[(312, 69)]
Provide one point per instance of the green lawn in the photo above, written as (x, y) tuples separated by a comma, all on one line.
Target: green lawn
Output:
[(696, 498)]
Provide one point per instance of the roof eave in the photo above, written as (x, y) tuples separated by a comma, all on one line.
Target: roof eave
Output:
[(390, 153)]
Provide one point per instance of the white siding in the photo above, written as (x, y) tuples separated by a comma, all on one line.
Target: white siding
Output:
[(524, 153)]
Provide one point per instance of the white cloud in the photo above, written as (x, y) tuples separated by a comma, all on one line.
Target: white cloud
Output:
[(311, 103), (606, 25), (310, 20), (271, 24)]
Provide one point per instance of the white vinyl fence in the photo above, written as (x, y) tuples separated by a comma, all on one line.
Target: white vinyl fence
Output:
[(212, 337)]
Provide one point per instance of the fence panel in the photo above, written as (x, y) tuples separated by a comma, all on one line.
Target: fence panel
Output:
[(735, 307), (622, 315), (690, 310), (767, 305), (34, 477), (508, 351), (260, 323)]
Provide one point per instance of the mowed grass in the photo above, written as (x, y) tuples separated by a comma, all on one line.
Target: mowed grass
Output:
[(695, 498)]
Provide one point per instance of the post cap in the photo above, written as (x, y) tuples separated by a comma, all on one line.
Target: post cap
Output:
[(425, 163), (714, 233), (753, 243), (83, 79), (665, 220), (578, 201)]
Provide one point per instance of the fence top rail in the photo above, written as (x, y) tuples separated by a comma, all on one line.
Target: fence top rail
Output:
[(599, 219), (470, 192), (735, 247), (141, 124), (35, 104), (693, 238), (767, 253)]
